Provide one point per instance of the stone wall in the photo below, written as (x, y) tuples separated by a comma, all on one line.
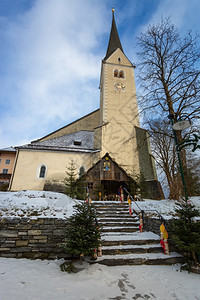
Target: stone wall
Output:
[(32, 238), (146, 162), (153, 225)]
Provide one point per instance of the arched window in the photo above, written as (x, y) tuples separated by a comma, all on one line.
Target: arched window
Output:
[(116, 72), (42, 171), (121, 74)]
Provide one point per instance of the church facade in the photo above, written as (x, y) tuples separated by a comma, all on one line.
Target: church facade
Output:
[(110, 136)]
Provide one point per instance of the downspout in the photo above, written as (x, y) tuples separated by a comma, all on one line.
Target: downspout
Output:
[(11, 180)]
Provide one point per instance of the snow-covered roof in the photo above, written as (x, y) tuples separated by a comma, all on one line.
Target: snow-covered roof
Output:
[(82, 141), (8, 149)]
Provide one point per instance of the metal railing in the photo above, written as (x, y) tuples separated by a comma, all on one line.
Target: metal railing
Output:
[(163, 232), (142, 210)]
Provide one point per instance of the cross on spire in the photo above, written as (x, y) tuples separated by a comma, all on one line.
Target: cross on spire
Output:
[(114, 41)]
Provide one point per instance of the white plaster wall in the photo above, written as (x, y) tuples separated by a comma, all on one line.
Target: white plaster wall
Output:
[(26, 174)]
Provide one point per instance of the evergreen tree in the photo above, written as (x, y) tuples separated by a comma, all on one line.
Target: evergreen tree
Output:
[(83, 234), (70, 180), (186, 231), (81, 185)]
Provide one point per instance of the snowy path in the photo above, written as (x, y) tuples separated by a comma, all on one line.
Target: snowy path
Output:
[(42, 280)]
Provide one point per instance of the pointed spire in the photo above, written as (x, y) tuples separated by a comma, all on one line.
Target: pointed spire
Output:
[(114, 41)]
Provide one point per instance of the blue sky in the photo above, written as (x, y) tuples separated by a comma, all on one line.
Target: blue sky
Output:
[(51, 52)]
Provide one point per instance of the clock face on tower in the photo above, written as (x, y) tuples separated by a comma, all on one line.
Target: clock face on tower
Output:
[(120, 86)]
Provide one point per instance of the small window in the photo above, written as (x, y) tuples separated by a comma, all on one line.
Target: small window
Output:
[(90, 185), (116, 73), (42, 172), (7, 161), (77, 143), (121, 74), (5, 171)]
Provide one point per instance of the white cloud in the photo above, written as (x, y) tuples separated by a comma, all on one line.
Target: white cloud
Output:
[(51, 66), (184, 14)]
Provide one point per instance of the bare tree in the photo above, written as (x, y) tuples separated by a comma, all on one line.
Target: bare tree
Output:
[(168, 69), (170, 75), (164, 153)]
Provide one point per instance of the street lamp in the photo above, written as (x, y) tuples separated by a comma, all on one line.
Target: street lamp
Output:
[(182, 123)]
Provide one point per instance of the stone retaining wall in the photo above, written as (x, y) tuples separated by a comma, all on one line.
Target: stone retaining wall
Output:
[(32, 238), (153, 224)]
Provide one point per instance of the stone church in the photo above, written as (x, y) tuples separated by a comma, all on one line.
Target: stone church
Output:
[(108, 143)]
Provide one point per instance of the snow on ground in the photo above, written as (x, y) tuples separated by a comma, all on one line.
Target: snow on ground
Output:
[(165, 207), (35, 204), (42, 280)]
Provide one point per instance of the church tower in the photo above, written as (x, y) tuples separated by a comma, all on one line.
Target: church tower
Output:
[(118, 106)]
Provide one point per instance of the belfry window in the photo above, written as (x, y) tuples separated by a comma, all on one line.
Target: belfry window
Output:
[(121, 74), (116, 72), (42, 171)]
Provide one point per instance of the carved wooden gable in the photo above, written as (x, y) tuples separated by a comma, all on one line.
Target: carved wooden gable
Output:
[(107, 169)]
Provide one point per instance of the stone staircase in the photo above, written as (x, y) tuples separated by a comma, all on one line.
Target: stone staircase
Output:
[(123, 244)]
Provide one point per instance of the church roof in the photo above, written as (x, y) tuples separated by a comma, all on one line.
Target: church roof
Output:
[(80, 141), (114, 41), (68, 125)]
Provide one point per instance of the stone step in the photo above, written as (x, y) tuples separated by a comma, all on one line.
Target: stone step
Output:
[(112, 213), (117, 212), (118, 224), (120, 229), (135, 238), (130, 249), (129, 242), (117, 215), (118, 219), (109, 203), (115, 208), (140, 259)]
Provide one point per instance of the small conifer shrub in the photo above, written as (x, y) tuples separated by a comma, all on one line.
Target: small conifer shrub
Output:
[(186, 232), (83, 235)]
